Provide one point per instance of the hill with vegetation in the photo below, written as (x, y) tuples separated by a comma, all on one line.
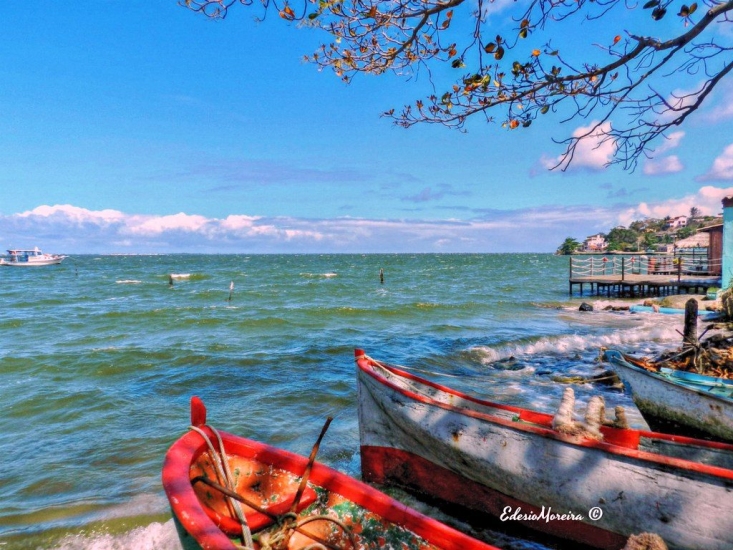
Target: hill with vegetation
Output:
[(645, 235)]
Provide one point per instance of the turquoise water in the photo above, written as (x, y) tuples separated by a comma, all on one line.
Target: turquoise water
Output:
[(101, 354)]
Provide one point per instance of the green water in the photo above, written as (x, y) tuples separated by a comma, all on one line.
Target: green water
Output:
[(100, 355)]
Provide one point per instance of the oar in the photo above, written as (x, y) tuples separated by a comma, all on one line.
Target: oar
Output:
[(311, 460)]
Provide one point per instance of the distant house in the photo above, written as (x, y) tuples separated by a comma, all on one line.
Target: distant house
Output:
[(595, 243), (678, 222)]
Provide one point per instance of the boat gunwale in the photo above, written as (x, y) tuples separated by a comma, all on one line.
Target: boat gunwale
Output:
[(191, 514), (368, 365)]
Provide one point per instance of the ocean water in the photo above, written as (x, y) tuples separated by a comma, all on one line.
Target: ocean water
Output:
[(99, 357)]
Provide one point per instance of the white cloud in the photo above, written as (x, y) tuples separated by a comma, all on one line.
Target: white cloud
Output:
[(75, 213), (152, 225), (662, 166), (495, 7), (719, 107), (672, 141), (73, 230), (593, 152), (708, 200), (722, 168)]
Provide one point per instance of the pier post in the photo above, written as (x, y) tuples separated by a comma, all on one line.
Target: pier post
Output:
[(623, 268), (690, 333)]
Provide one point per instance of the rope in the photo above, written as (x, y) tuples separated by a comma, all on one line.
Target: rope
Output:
[(225, 475), (287, 523)]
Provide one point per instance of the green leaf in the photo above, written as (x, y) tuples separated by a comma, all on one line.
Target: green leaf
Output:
[(658, 13), (545, 109), (651, 4), (499, 53), (490, 47), (523, 33)]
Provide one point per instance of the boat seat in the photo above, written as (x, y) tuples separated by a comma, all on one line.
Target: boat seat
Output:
[(257, 520)]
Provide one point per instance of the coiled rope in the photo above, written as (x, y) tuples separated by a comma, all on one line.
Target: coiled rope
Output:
[(287, 523), (221, 463)]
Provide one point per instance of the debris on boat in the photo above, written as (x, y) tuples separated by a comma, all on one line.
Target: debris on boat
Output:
[(712, 356), (645, 541)]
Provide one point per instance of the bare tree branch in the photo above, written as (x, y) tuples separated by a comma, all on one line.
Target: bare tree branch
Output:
[(621, 94)]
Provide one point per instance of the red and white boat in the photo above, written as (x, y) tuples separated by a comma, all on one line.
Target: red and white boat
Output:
[(284, 500), (509, 462)]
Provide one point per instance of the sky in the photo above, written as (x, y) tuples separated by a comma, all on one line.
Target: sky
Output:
[(141, 127)]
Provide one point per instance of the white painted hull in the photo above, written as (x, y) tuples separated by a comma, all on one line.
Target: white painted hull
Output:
[(662, 398), (505, 462), (33, 263)]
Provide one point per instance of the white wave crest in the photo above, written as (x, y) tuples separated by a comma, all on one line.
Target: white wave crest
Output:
[(155, 536), (646, 336)]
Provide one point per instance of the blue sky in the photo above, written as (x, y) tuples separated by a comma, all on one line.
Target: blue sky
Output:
[(138, 127)]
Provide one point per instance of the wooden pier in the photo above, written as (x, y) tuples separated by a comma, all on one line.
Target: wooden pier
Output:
[(641, 276), (642, 285)]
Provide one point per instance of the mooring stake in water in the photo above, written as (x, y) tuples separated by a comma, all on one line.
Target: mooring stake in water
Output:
[(231, 290)]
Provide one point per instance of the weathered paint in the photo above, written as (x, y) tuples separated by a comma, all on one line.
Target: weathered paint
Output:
[(663, 397), (522, 464)]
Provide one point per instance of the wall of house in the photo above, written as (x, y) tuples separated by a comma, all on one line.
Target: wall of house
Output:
[(727, 242), (715, 250)]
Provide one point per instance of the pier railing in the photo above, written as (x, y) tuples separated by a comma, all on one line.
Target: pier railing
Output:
[(641, 264)]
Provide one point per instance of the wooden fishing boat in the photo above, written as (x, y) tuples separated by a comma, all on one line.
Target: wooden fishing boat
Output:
[(285, 501), (701, 402), (525, 466)]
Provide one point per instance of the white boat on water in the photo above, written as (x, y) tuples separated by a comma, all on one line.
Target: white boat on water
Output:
[(30, 258)]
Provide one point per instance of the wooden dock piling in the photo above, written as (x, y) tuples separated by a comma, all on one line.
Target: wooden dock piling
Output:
[(640, 276)]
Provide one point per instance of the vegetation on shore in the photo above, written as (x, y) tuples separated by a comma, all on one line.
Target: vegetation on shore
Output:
[(644, 235)]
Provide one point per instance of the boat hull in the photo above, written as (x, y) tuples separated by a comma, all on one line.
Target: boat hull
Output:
[(34, 263), (661, 397), (268, 477), (525, 473)]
